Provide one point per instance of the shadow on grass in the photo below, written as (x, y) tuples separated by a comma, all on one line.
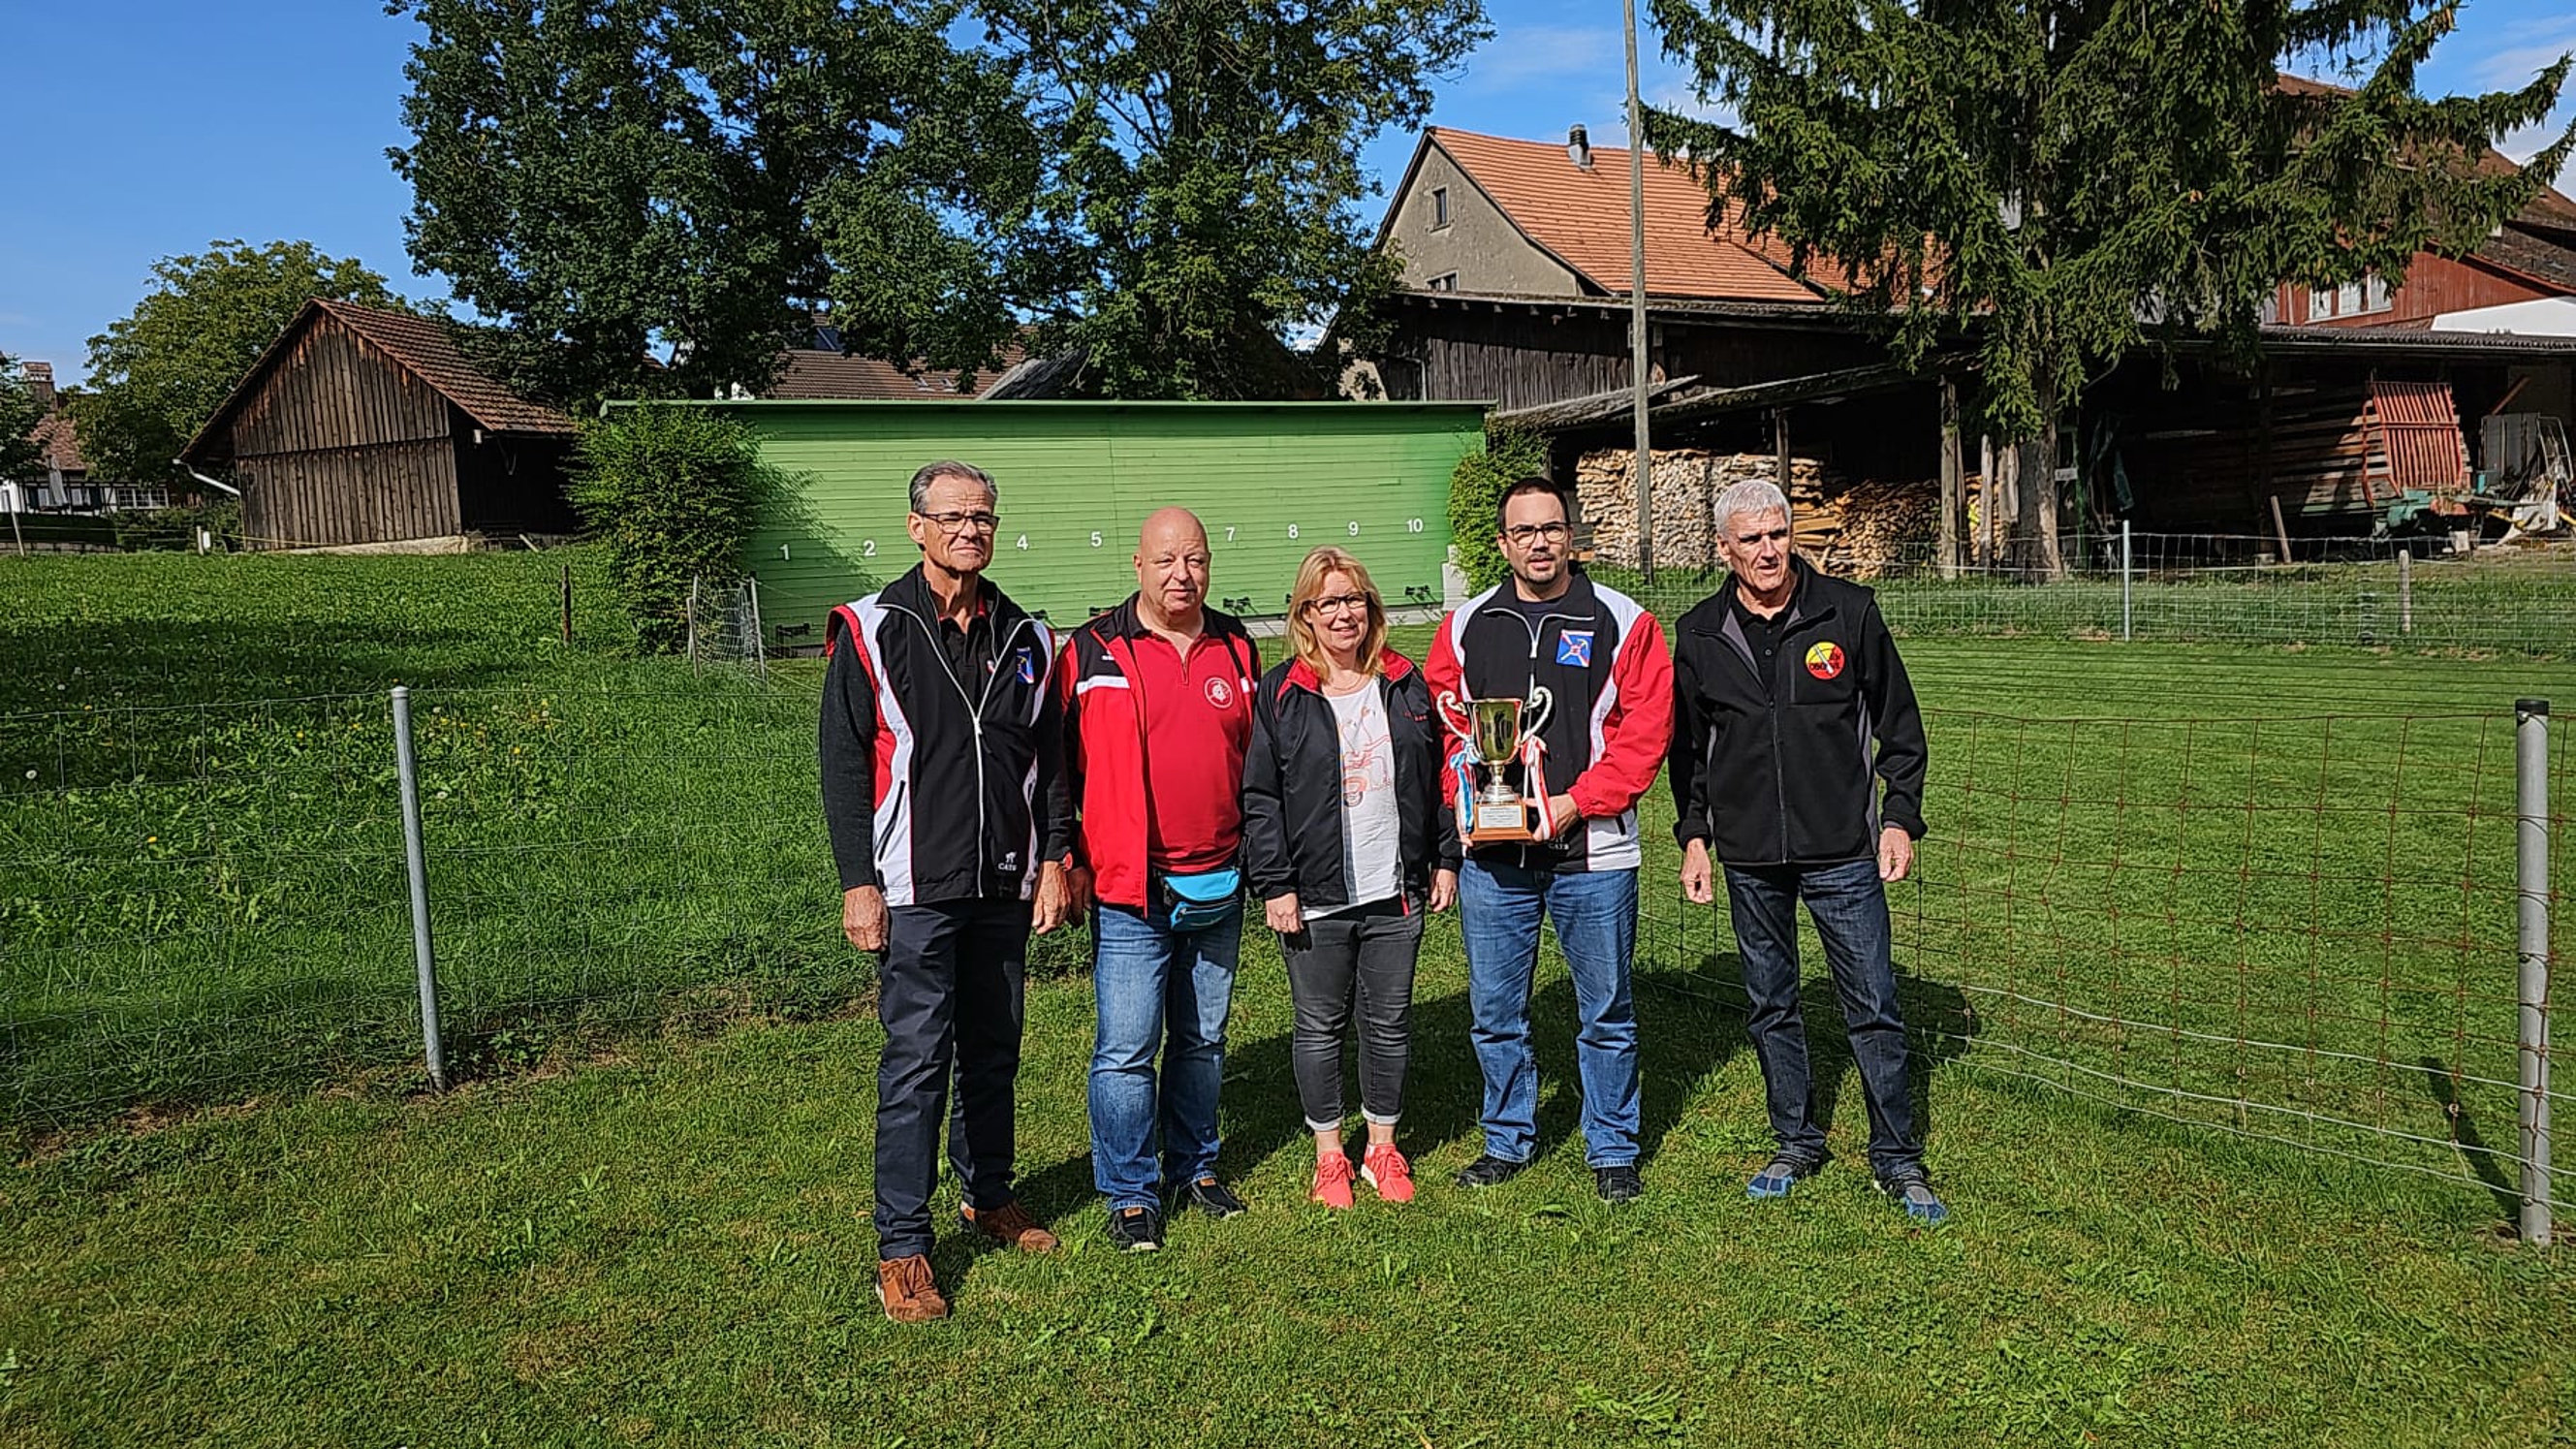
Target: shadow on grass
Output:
[(1940, 1025), (2483, 1160)]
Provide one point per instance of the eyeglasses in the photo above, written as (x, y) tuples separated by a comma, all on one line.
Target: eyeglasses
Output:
[(961, 522), (1338, 603), (1523, 535)]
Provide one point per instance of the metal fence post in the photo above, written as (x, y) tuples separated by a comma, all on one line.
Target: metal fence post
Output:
[(2405, 591), (416, 861), (2531, 735), (2124, 581)]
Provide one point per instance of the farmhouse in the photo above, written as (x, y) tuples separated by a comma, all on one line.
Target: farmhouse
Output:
[(365, 426), (64, 485), (2376, 403)]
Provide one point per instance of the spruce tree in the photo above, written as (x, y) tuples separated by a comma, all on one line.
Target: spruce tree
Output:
[(2051, 184)]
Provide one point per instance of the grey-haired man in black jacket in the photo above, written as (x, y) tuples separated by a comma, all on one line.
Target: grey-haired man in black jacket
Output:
[(1797, 764)]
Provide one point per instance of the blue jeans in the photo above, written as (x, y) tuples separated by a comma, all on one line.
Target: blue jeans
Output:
[(1158, 990), (1849, 906), (1499, 907)]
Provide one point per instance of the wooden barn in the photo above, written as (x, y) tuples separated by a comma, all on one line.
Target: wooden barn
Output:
[(364, 426)]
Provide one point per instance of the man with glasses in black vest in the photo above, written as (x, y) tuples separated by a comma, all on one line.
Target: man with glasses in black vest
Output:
[(944, 794)]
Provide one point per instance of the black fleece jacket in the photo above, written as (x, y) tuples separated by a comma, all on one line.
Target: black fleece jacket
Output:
[(1292, 786), (1772, 760)]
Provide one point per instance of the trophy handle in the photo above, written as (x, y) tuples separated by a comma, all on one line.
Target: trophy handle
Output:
[(1453, 715), (1535, 711)]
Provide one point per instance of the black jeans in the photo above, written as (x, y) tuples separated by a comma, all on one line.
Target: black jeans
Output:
[(1366, 953), (950, 995), (1849, 906)]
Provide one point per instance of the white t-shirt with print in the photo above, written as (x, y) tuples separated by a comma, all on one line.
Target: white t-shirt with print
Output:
[(1372, 855)]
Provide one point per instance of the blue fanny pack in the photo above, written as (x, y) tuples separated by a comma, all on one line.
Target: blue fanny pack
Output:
[(1196, 902)]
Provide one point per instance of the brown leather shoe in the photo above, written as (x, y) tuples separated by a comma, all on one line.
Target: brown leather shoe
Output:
[(907, 1290), (1011, 1226)]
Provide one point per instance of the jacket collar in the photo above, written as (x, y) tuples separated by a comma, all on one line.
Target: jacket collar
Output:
[(1392, 667), (1804, 602), (1578, 599), (912, 592), (1126, 622)]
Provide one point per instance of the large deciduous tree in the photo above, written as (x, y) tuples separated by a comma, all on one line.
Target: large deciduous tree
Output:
[(614, 179), (2060, 181), (1203, 172), (157, 375)]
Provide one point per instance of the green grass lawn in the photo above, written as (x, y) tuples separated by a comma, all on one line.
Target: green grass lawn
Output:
[(2266, 891), (669, 1245)]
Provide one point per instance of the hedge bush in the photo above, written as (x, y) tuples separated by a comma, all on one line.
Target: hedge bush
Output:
[(673, 492), (1475, 489)]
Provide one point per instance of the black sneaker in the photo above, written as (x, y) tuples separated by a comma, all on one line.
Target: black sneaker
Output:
[(1619, 1183), (1211, 1197), (1488, 1170), (1135, 1229)]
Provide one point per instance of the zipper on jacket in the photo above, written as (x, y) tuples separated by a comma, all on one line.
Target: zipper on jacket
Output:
[(974, 718)]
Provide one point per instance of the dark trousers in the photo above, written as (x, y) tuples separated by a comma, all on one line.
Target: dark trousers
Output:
[(1848, 903), (1365, 955), (950, 996)]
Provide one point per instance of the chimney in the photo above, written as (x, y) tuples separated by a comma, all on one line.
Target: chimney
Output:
[(39, 377), (1578, 145)]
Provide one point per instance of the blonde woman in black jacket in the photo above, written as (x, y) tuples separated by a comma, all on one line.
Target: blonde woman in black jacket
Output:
[(1347, 843)]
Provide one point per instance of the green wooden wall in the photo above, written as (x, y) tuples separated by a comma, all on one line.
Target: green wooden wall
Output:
[(1270, 480)]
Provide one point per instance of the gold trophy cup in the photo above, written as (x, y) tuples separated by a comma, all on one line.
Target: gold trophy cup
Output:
[(1492, 733)]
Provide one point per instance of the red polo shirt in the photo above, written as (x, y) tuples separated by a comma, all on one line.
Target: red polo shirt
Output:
[(1198, 719)]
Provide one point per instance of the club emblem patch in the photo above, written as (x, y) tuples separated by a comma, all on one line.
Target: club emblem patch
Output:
[(1574, 647), (1028, 667), (1825, 660), (1220, 693)]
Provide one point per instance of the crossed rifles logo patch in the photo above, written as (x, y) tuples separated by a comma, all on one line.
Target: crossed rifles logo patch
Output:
[(1825, 660)]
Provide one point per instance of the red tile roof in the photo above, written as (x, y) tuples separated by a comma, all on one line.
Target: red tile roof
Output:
[(2550, 208), (426, 346), (61, 444), (1580, 215), (816, 374)]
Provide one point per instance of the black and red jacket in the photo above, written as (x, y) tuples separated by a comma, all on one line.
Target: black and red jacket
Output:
[(937, 788), (1104, 750), (1601, 655), (1292, 786)]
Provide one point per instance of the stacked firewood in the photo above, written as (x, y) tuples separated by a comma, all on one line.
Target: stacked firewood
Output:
[(1862, 529)]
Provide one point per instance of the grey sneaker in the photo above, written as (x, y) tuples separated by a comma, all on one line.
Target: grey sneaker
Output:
[(1777, 1178), (1914, 1192)]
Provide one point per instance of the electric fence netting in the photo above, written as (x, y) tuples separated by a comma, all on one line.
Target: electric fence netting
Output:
[(2299, 929)]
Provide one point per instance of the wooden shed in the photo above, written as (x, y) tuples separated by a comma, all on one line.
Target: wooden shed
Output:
[(365, 426)]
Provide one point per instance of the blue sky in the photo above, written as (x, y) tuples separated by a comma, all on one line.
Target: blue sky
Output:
[(144, 128)]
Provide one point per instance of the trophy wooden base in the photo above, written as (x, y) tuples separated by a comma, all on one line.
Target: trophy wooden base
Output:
[(1501, 823)]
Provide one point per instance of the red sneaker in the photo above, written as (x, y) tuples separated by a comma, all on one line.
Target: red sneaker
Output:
[(1388, 1172), (1333, 1181)]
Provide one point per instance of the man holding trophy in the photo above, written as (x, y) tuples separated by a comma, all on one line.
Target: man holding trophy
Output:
[(1558, 695)]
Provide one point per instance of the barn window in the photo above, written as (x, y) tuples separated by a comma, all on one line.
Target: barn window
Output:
[(2375, 294), (1439, 207), (1445, 282)]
